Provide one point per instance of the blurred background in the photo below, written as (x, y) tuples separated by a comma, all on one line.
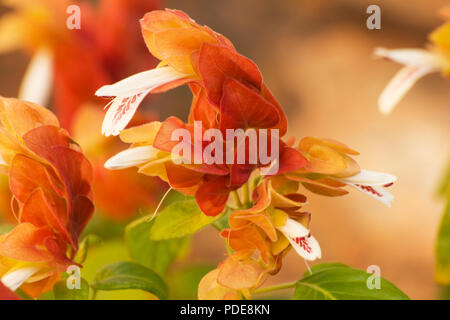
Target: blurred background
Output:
[(317, 58)]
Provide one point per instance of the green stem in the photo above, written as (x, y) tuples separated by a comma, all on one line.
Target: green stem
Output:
[(246, 193), (236, 198), (275, 287), (229, 250), (94, 294)]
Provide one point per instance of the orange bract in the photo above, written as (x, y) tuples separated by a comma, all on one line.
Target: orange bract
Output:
[(50, 180)]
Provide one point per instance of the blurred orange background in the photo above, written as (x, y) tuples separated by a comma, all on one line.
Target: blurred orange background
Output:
[(316, 56)]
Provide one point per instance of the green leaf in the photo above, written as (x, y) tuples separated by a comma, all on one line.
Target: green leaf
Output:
[(339, 282), (179, 219), (87, 241), (322, 266), (444, 188), (157, 255), (442, 275), (61, 291), (130, 275)]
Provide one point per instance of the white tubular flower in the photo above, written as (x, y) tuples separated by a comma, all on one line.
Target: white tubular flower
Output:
[(129, 93), (372, 183)]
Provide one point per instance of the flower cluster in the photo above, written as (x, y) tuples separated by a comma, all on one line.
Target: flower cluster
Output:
[(418, 63), (229, 94), (50, 180)]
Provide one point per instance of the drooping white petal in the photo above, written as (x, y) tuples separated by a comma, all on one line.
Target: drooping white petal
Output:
[(371, 178), (373, 183), (140, 82), (37, 82), (418, 63), (120, 112), (129, 94), (412, 57), (131, 157), (16, 278), (376, 192), (301, 240), (400, 84)]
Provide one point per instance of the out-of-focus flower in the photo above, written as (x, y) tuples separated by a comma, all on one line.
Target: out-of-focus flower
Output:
[(330, 168), (418, 63), (50, 180), (107, 53), (102, 46)]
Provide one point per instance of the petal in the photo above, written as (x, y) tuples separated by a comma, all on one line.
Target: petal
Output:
[(18, 117), (129, 94), (217, 63), (140, 82), (36, 85), (290, 160), (371, 178), (322, 159), (131, 157), (13, 280), (246, 238), (176, 46), (262, 220), (400, 84), (26, 175), (241, 107), (418, 63), (376, 192), (201, 109), (82, 212), (39, 211), (240, 273), (158, 21), (282, 125), (181, 177), (301, 240), (212, 195), (43, 139), (74, 169), (145, 133), (25, 243), (209, 289), (120, 113), (294, 229), (412, 57)]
